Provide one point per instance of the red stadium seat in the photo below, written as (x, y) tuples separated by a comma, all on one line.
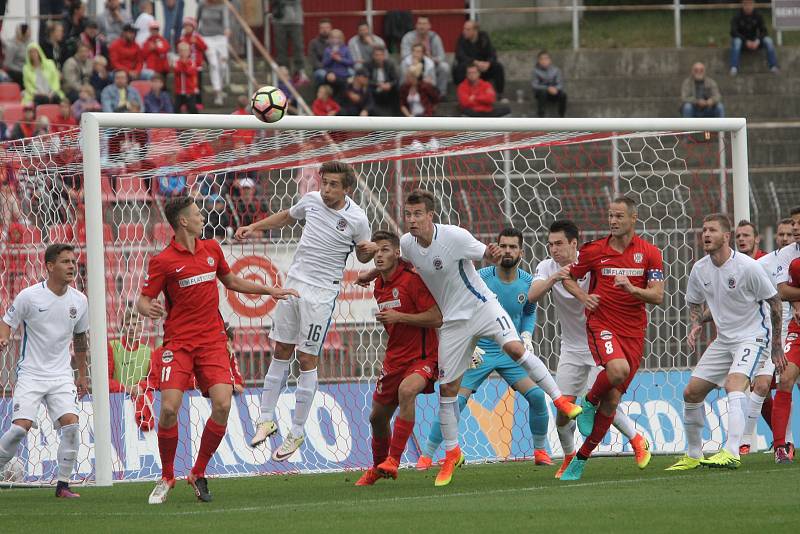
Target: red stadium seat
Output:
[(61, 233), (132, 233), (162, 233), (10, 92), (12, 113), (20, 234), (51, 111), (132, 189), (142, 86), (108, 233)]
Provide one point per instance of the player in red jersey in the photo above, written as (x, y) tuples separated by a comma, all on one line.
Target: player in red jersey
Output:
[(195, 343), (627, 274), (410, 315), (782, 405)]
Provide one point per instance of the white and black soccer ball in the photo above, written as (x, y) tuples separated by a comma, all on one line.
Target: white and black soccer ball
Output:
[(269, 104), (14, 470)]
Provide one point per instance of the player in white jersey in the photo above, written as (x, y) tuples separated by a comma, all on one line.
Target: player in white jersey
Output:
[(335, 225), (51, 314), (746, 310), (442, 255), (576, 366)]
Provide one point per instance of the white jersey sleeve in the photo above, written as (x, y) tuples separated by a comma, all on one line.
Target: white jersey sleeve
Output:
[(469, 247), (362, 230), (761, 284), (83, 316), (298, 210), (541, 271), (18, 311), (784, 258), (694, 289)]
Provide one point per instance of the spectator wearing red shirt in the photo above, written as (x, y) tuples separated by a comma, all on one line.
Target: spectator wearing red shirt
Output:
[(324, 104), (65, 120), (187, 79), (477, 97), (197, 47), (194, 336), (418, 98), (126, 54), (154, 50)]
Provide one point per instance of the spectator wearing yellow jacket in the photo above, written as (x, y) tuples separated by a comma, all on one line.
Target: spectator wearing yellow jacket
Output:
[(40, 77)]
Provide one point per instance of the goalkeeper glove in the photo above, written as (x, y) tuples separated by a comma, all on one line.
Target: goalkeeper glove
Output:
[(527, 341), (477, 358)]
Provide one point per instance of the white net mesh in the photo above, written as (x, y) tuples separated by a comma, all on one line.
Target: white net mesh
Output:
[(484, 181)]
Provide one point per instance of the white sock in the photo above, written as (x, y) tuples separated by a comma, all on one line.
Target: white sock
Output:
[(273, 382), (9, 443), (566, 435), (624, 424), (693, 423), (538, 372), (304, 397), (789, 437), (67, 451), (448, 421), (753, 413), (737, 412)]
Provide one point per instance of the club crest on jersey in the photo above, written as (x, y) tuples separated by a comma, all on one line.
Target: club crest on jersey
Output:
[(605, 335), (341, 224), (638, 257), (73, 312), (791, 337), (521, 298), (395, 292), (211, 261), (731, 282), (437, 263), (167, 356)]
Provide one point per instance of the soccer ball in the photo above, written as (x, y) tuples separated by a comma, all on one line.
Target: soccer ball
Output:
[(13, 471), (269, 104)]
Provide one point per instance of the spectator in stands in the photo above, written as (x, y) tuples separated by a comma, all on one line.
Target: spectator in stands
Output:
[(118, 96), (325, 104), (158, 100), (128, 366), (112, 20), (154, 51), (42, 80), (172, 183), (700, 95), (74, 23), (418, 98), (316, 50), (363, 43), (749, 31), (86, 101), (287, 25), (10, 212), (187, 79), (475, 47), (66, 119), (15, 53), (747, 239), (337, 62), (248, 207), (53, 46), (197, 50), (434, 49), (784, 234), (291, 102), (548, 85), (218, 222), (242, 138), (101, 77), (26, 126), (143, 21), (383, 82), (477, 97), (77, 72), (214, 28), (96, 41), (173, 19), (357, 99), (426, 65), (126, 54)]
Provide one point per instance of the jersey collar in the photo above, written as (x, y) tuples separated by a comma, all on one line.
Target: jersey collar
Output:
[(198, 246)]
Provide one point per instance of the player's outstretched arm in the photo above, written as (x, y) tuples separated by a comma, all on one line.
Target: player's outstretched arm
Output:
[(590, 302), (776, 313), (276, 220), (539, 288), (365, 278), (5, 335), (80, 344), (430, 318), (652, 294), (240, 285), (365, 251), (788, 293)]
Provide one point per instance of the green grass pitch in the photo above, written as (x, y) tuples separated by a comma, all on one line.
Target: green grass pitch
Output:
[(614, 496)]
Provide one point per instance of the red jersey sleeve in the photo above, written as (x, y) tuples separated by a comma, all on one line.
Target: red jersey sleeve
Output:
[(422, 297), (155, 281), (222, 264), (585, 262), (794, 273), (113, 385), (655, 265)]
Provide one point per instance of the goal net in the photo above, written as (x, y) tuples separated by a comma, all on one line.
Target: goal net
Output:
[(484, 181)]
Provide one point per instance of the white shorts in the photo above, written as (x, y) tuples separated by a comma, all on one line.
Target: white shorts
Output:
[(750, 358), (304, 322), (457, 339), (575, 372), (60, 398)]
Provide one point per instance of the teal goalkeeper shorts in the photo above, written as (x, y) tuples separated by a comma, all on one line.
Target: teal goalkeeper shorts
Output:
[(506, 367)]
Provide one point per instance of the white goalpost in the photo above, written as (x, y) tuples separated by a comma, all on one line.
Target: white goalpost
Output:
[(486, 174)]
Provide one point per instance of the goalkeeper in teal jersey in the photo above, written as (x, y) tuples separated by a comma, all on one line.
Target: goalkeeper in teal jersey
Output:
[(510, 284)]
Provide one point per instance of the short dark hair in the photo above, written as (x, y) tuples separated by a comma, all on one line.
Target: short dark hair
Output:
[(472, 65), (420, 45), (53, 251), (542, 52), (510, 231), (628, 201), (386, 235), (569, 228), (787, 220), (325, 20), (723, 220), (794, 211), (362, 23), (174, 207), (422, 196), (745, 222), (339, 167)]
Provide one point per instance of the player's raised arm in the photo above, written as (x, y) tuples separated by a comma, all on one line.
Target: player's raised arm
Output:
[(654, 292), (788, 293), (542, 284), (274, 221), (240, 285)]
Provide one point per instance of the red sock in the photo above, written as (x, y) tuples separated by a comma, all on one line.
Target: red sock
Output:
[(600, 387), (402, 430), (167, 445), (781, 411), (212, 436), (380, 450), (766, 410), (601, 425)]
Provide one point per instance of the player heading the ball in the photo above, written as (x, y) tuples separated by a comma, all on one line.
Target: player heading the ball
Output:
[(335, 225), (195, 343)]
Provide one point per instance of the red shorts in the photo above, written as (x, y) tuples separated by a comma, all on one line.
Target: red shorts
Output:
[(606, 346), (208, 366), (386, 390), (792, 348)]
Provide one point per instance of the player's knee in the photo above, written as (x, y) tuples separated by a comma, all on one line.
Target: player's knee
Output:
[(68, 419), (761, 388), (617, 374), (168, 413), (691, 395), (515, 349), (377, 419), (407, 393), (307, 362), (448, 390)]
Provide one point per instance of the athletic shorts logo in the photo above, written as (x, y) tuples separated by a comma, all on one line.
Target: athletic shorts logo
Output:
[(605, 335), (521, 298), (731, 282), (11, 310), (638, 257), (395, 292), (441, 373), (167, 356), (73, 312), (16, 406), (427, 369), (791, 337), (211, 261), (437, 263), (341, 225)]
